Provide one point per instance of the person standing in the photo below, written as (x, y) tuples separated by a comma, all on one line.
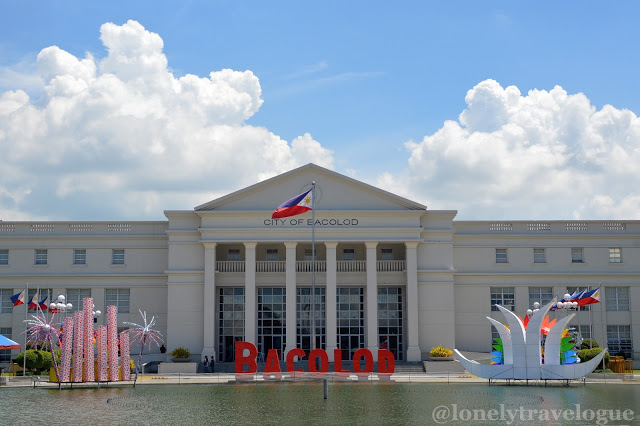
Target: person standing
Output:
[(206, 364)]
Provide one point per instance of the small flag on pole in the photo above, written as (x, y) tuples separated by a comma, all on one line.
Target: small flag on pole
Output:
[(34, 301), (18, 299), (43, 303), (297, 205), (590, 297)]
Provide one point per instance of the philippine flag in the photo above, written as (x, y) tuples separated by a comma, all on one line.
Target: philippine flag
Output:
[(18, 299), (43, 303), (34, 301), (590, 297), (297, 205)]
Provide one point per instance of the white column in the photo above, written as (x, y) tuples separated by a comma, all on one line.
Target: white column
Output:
[(290, 279), (413, 345), (330, 299), (209, 340), (250, 292), (372, 299)]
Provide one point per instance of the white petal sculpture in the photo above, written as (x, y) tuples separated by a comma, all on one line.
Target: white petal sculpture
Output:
[(522, 354)]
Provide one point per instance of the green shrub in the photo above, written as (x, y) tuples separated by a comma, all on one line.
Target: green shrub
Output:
[(36, 360), (32, 359), (588, 354), (46, 363), (180, 352), (589, 343)]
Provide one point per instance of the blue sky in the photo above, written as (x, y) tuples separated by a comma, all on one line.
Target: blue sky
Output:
[(363, 79)]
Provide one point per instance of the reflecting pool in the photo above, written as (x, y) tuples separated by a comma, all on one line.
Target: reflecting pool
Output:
[(348, 403)]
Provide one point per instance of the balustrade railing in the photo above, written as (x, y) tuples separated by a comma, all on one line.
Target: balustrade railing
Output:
[(230, 266), (306, 265), (270, 265), (352, 265), (390, 265)]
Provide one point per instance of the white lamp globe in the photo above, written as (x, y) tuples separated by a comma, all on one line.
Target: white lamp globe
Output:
[(61, 298), (529, 312), (536, 305), (69, 306), (98, 313), (566, 296), (574, 304), (52, 306)]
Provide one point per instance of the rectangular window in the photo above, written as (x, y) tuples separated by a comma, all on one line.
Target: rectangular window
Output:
[(272, 255), (4, 257), (308, 255), (619, 340), (41, 257), (118, 297), (5, 354), (348, 254), (233, 255), (539, 255), (304, 321), (617, 298), (542, 295), (117, 257), (577, 255), (391, 320), (75, 296), (503, 296), (80, 257), (6, 306), (230, 321), (501, 255), (615, 255), (386, 254)]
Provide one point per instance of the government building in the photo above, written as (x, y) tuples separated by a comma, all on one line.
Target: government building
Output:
[(389, 272)]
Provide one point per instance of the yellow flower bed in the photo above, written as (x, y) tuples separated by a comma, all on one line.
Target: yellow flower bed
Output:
[(440, 351)]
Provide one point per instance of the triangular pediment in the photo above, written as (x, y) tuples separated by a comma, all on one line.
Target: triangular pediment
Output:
[(333, 192)]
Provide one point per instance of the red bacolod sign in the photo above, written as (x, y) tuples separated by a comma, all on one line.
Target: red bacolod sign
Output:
[(246, 364)]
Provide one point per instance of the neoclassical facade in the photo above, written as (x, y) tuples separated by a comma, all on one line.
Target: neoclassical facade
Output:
[(389, 271)]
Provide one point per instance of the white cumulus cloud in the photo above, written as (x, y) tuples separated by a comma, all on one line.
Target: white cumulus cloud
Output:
[(543, 155), (123, 137)]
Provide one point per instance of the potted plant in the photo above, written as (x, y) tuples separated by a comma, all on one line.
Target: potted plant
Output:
[(441, 353), (181, 354)]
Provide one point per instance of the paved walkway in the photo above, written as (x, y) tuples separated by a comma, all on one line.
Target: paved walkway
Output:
[(225, 378), (434, 372)]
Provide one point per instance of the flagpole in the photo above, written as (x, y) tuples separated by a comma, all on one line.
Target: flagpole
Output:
[(313, 265), (24, 354)]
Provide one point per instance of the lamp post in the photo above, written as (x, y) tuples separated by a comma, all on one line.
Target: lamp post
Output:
[(60, 306), (96, 315)]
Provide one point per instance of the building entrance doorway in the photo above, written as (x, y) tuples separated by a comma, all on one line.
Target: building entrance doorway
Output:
[(303, 318), (272, 320), (350, 310), (391, 320), (230, 321)]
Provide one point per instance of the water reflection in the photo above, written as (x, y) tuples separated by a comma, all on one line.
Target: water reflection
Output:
[(280, 403)]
